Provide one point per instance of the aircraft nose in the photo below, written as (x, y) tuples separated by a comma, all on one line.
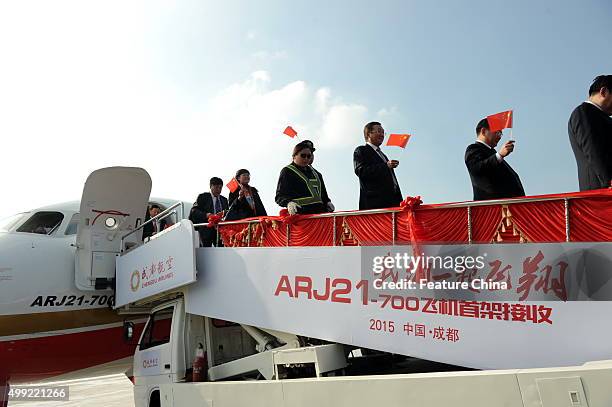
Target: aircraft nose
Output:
[(11, 248)]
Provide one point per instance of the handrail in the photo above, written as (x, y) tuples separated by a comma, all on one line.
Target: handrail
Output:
[(468, 204), (165, 213)]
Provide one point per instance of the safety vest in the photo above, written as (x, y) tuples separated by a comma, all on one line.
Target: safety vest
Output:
[(313, 185)]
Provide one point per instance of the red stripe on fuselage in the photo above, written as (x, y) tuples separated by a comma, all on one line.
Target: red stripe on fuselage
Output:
[(33, 359)]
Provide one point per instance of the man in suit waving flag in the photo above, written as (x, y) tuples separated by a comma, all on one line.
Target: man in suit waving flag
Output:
[(492, 177), (379, 187)]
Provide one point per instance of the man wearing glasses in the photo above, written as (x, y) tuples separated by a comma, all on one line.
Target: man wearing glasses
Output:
[(492, 177), (378, 184)]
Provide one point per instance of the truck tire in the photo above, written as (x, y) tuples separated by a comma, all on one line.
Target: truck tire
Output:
[(154, 401)]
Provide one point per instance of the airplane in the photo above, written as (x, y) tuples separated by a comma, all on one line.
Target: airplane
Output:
[(56, 274)]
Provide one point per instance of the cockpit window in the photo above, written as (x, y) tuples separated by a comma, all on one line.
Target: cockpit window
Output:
[(10, 222), (43, 223), (72, 226)]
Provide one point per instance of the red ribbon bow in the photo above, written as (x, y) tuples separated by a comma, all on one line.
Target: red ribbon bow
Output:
[(408, 206), (286, 218), (411, 203), (214, 219)]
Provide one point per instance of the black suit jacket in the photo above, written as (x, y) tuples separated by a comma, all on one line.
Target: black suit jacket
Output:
[(203, 206), (376, 186), (590, 134), (240, 208), (149, 229), (491, 179)]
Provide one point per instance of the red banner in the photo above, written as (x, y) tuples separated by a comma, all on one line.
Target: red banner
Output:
[(532, 219)]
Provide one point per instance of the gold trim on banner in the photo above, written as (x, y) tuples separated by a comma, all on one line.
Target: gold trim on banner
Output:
[(507, 225)]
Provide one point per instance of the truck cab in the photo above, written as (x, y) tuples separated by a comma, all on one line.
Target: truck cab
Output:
[(168, 345)]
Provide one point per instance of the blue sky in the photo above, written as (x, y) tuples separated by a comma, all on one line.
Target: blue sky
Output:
[(194, 89)]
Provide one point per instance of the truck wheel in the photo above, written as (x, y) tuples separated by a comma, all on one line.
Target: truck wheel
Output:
[(154, 401)]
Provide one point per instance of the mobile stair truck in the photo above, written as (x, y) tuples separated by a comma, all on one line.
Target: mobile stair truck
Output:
[(265, 324)]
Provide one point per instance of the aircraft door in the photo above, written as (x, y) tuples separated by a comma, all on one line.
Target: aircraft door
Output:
[(159, 357), (114, 202)]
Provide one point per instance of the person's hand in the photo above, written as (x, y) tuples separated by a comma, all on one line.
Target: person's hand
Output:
[(241, 193), (392, 164), (292, 208), (330, 207), (507, 148)]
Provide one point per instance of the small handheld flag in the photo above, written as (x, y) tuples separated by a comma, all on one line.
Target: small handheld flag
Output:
[(233, 185), (290, 132), (500, 121), (399, 140)]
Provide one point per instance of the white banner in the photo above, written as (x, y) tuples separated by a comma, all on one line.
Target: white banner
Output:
[(164, 263), (323, 292)]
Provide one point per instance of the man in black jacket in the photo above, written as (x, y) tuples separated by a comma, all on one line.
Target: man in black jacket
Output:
[(590, 133), (154, 227), (378, 184), (300, 187), (209, 203), (492, 177)]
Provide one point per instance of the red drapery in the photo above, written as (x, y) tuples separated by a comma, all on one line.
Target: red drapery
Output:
[(591, 220), (275, 233), (533, 221), (485, 222), (312, 232), (233, 235), (539, 221), (370, 229), (444, 225)]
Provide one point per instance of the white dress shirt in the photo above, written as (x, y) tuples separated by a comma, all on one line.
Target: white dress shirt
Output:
[(594, 104), (499, 157)]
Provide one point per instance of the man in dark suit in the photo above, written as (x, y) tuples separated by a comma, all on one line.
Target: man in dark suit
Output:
[(590, 134), (492, 177), (378, 184), (156, 226), (209, 203)]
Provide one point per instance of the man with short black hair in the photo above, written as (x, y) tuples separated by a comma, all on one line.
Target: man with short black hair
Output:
[(154, 227), (590, 134), (491, 176), (378, 185), (209, 203)]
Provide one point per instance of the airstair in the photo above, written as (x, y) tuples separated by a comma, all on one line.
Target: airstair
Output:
[(281, 295), (513, 283)]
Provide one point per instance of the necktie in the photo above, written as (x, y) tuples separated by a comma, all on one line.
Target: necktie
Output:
[(217, 206), (381, 154), (384, 157)]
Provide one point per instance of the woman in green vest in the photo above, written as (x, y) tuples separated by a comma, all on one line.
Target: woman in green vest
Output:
[(300, 187)]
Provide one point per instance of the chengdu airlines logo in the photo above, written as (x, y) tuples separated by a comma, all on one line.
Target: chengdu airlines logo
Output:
[(135, 281)]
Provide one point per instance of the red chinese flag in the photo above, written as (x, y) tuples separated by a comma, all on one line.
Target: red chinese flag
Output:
[(233, 185), (399, 140), (500, 121), (290, 132)]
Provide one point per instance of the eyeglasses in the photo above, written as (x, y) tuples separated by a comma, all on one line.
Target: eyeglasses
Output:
[(303, 155)]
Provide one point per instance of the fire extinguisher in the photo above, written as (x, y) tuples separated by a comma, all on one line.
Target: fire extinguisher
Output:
[(200, 365)]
